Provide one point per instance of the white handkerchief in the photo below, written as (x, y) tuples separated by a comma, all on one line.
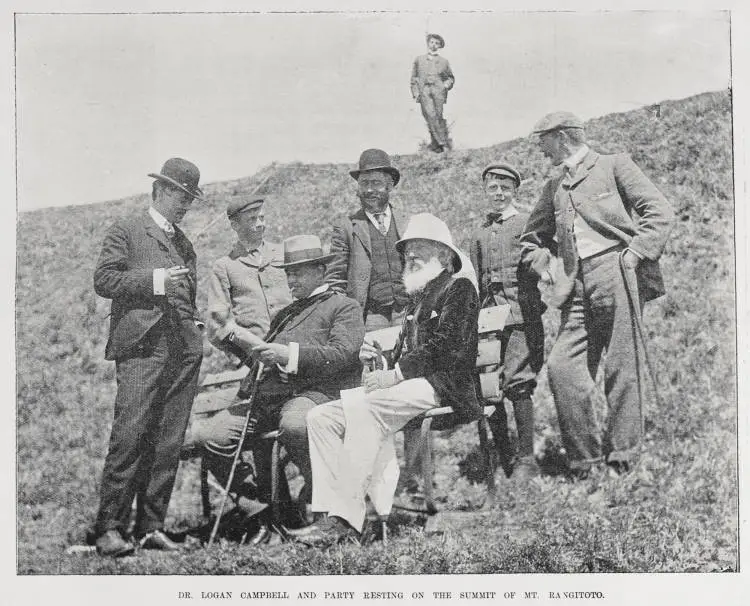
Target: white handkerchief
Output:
[(385, 471), (433, 314)]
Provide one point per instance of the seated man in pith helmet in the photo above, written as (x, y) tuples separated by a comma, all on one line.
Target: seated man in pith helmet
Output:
[(309, 354), (433, 365)]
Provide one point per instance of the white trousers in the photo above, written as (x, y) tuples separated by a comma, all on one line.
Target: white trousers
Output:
[(343, 458)]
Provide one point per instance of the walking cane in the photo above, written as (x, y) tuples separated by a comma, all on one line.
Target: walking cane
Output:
[(631, 286), (238, 452)]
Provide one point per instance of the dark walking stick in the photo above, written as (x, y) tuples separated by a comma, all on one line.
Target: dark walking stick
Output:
[(249, 419)]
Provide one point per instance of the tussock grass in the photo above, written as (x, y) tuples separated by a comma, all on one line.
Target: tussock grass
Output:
[(678, 511)]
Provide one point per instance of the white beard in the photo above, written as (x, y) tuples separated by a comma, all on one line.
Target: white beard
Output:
[(416, 279)]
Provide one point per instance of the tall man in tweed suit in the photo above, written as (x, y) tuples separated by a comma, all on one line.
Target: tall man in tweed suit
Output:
[(609, 225), (503, 280), (147, 268), (431, 79)]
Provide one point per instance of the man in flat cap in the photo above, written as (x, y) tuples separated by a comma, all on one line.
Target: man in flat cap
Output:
[(608, 224), (309, 353), (503, 280), (431, 79), (147, 268), (432, 365)]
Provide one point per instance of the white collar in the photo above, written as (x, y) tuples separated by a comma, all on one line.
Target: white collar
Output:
[(386, 214), (509, 212), (575, 159), (317, 291), (160, 220)]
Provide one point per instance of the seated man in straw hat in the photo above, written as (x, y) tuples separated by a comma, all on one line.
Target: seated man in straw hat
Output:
[(434, 366), (309, 354)]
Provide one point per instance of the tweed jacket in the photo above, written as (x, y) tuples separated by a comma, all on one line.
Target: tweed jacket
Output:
[(133, 247), (245, 292), (617, 200), (495, 252), (431, 70), (350, 241), (439, 342), (329, 333)]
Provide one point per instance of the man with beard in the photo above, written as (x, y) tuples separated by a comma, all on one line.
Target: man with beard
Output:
[(147, 268), (309, 354), (496, 254), (433, 365), (608, 224)]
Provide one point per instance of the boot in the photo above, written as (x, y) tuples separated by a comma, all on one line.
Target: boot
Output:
[(526, 466)]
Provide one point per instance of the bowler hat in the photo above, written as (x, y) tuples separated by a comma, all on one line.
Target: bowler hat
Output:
[(425, 226), (376, 159), (437, 37), (503, 170), (240, 204), (299, 250), (556, 121), (181, 174)]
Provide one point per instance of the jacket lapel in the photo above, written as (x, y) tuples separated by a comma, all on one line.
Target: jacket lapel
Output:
[(584, 168), (361, 230), (154, 231), (400, 219)]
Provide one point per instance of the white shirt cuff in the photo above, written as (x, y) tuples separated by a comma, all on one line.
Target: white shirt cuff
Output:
[(159, 277), (293, 363), (399, 376)]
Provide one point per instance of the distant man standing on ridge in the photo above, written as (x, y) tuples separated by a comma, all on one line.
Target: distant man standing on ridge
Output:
[(503, 280), (431, 79), (147, 268), (608, 224)]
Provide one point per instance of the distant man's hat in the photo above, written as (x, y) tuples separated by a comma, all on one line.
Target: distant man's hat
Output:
[(240, 204), (502, 170), (425, 226), (299, 250), (376, 159), (181, 174), (556, 121), (437, 37)]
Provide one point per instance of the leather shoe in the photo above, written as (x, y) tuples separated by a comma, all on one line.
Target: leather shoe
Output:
[(525, 469), (156, 539), (326, 533), (111, 544), (261, 537)]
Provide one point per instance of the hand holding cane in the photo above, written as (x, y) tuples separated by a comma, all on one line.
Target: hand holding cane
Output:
[(249, 422)]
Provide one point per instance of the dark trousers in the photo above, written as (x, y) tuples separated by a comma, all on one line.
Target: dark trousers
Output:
[(155, 392), (595, 317), (432, 99), (522, 356)]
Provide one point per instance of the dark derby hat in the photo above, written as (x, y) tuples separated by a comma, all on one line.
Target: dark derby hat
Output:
[(376, 159), (437, 37), (502, 170), (181, 174), (240, 204)]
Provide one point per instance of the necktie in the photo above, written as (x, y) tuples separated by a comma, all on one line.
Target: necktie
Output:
[(494, 218), (381, 223)]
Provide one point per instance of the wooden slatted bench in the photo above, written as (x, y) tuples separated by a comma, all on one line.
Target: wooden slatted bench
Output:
[(491, 321)]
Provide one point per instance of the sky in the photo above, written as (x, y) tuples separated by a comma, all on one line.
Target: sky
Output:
[(102, 100)]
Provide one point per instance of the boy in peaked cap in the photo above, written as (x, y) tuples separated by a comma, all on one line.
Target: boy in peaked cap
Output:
[(496, 255)]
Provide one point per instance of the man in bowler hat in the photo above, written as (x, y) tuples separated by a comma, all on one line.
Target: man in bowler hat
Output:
[(496, 254), (147, 268), (431, 79), (608, 224)]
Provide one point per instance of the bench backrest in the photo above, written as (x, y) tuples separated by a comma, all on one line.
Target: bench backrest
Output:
[(491, 320)]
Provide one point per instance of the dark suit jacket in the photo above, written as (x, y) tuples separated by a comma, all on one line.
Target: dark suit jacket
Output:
[(350, 269), (445, 319), (330, 333), (616, 199), (133, 247)]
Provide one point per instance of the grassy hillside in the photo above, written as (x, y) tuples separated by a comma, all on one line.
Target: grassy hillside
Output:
[(676, 512)]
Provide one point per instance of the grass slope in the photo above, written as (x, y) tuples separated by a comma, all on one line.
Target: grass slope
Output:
[(677, 512)]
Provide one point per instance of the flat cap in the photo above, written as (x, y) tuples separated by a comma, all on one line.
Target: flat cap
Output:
[(502, 170), (240, 204), (556, 121)]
